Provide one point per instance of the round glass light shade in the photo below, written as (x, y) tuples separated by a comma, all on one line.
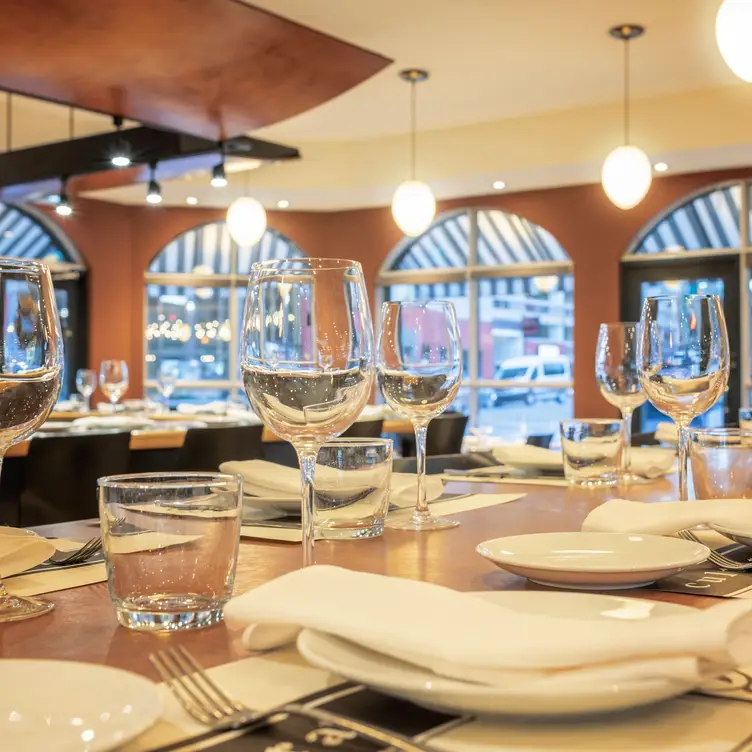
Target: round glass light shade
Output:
[(246, 221), (626, 176), (413, 207), (733, 30)]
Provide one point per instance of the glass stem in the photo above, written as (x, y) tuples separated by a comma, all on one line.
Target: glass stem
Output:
[(421, 507), (626, 461), (683, 428), (307, 457)]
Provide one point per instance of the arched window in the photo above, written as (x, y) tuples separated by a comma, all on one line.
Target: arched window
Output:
[(700, 244), (512, 286), (195, 293), (27, 234)]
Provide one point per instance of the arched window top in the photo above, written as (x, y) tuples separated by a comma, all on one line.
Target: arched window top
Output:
[(707, 221), (209, 249), (503, 239), (24, 236)]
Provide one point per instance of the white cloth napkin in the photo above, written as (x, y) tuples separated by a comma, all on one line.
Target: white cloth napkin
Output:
[(463, 637), (272, 481), (218, 407), (112, 421), (21, 550), (668, 517)]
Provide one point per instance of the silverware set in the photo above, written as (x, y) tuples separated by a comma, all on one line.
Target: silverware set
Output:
[(80, 556), (716, 557)]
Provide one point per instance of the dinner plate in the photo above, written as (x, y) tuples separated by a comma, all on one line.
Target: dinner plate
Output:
[(593, 561), (736, 534), (529, 458), (425, 688), (71, 706)]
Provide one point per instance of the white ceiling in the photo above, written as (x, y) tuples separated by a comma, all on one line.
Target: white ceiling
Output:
[(528, 91)]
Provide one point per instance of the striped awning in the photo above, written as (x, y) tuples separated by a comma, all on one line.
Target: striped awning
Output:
[(22, 236)]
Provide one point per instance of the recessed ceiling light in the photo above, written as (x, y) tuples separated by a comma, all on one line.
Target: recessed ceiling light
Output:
[(191, 200), (660, 167), (283, 204), (499, 185)]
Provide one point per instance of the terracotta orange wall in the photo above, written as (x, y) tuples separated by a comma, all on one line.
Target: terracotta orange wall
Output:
[(118, 243)]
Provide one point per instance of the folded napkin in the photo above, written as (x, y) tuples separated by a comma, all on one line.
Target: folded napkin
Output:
[(21, 550), (372, 412), (217, 407), (667, 433), (462, 636), (112, 421), (272, 481), (668, 517)]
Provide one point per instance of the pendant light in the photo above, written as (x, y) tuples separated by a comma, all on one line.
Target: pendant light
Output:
[(64, 207), (121, 157), (154, 189), (733, 28), (626, 174), (246, 219), (219, 178), (413, 204)]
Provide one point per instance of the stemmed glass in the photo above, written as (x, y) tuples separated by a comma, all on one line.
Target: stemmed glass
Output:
[(683, 361), (113, 380), (167, 380), (31, 364), (419, 365), (617, 377), (86, 383), (307, 357)]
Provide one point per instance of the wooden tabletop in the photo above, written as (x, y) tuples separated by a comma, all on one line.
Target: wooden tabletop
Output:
[(83, 626)]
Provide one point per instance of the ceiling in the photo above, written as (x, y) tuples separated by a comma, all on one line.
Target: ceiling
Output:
[(528, 91)]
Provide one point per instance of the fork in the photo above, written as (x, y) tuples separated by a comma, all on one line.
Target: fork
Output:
[(90, 549), (717, 558), (206, 702)]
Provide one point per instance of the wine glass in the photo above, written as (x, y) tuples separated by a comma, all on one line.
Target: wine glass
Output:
[(683, 361), (113, 380), (86, 383), (167, 380), (419, 365), (31, 365), (307, 357), (616, 374)]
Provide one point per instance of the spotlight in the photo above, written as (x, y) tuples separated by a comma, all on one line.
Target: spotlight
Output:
[(660, 167), (191, 200), (219, 179), (63, 207), (499, 185), (121, 157), (154, 191), (283, 204), (120, 160)]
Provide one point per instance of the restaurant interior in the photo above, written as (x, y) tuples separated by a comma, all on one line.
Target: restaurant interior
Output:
[(322, 319)]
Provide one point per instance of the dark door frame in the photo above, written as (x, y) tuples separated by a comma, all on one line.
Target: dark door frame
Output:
[(77, 348)]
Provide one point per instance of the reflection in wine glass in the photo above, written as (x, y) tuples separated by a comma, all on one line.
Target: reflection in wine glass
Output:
[(683, 361), (113, 380), (419, 364), (167, 380), (617, 377), (86, 383), (31, 363), (307, 357)]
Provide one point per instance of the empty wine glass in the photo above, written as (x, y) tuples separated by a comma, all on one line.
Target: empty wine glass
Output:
[(31, 364), (113, 380), (617, 377), (167, 380), (307, 357), (683, 361), (419, 365), (86, 383)]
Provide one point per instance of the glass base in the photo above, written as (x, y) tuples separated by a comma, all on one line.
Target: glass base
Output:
[(169, 613), (593, 482), (13, 608), (349, 533), (419, 524)]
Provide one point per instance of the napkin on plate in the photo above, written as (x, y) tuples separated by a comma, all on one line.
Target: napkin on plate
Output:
[(272, 481), (668, 517), (21, 550), (463, 637), (112, 421)]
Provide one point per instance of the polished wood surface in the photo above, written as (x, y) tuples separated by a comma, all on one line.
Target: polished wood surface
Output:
[(173, 438), (212, 68), (83, 626)]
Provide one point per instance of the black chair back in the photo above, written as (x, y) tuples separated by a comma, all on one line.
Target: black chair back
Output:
[(364, 429), (445, 434), (644, 439), (439, 463), (543, 440), (205, 449), (59, 477)]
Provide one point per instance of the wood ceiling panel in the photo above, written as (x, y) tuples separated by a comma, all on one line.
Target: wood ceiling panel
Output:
[(214, 68)]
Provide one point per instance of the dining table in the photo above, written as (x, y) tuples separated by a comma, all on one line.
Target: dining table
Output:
[(82, 627)]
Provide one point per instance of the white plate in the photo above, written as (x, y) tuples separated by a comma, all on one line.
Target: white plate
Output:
[(425, 688), (593, 561), (740, 536), (66, 706)]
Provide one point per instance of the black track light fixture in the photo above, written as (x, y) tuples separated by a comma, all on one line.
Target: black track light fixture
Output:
[(154, 190), (121, 157), (64, 208), (219, 178)]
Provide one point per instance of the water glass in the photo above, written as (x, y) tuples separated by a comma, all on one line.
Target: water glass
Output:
[(721, 461), (353, 477), (592, 451), (113, 380), (171, 547), (86, 383)]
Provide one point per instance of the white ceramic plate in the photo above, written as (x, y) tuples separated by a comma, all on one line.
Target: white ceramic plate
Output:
[(425, 688), (740, 536), (593, 561), (65, 705)]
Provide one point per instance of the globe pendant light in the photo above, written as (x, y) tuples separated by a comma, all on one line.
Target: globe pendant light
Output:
[(413, 204), (627, 173), (733, 29)]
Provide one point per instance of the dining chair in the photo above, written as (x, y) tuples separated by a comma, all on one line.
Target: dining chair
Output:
[(644, 439), (207, 448), (59, 476), (364, 429), (541, 440), (445, 434), (439, 463)]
